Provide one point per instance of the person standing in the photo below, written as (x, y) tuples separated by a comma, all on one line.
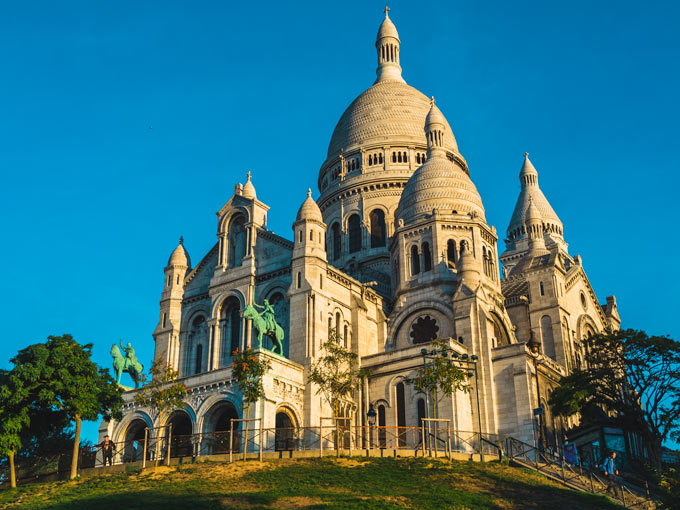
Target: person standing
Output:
[(610, 472), (107, 447)]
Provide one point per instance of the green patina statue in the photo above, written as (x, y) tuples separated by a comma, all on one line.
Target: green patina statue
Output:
[(127, 363), (265, 324)]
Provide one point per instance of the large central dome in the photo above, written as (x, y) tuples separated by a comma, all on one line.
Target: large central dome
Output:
[(389, 112)]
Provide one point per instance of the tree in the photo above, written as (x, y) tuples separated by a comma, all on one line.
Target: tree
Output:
[(13, 419), (163, 394), (440, 373), (334, 372), (247, 369), (633, 376), (60, 375)]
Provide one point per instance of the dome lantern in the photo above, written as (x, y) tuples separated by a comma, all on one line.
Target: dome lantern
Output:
[(435, 125), (387, 43)]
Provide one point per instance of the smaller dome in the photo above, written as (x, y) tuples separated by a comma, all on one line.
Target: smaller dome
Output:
[(387, 28), (249, 189), (434, 116), (309, 210), (180, 256)]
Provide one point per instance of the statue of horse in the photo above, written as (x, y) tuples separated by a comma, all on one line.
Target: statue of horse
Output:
[(122, 364), (259, 323)]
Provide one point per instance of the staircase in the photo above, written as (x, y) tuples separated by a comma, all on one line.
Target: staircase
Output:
[(555, 468)]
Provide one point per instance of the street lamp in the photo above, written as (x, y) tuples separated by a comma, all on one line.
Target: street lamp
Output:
[(370, 418), (534, 346)]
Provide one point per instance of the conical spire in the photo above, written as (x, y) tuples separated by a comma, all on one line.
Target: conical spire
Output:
[(435, 124), (532, 200), (387, 43), (528, 176)]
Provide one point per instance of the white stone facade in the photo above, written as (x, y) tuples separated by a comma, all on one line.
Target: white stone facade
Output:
[(397, 253)]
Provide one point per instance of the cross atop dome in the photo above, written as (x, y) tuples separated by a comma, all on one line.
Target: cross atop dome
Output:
[(386, 10)]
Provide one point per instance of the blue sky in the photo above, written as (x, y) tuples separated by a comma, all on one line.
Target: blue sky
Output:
[(93, 200)]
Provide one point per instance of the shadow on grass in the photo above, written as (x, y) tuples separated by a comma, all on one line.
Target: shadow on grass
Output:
[(324, 484)]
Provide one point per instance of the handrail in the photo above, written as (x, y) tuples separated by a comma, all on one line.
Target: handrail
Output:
[(586, 479)]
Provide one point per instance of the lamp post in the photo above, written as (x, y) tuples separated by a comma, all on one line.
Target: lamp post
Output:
[(370, 418), (534, 346), (465, 362)]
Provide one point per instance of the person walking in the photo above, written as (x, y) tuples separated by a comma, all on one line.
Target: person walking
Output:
[(107, 447), (610, 472)]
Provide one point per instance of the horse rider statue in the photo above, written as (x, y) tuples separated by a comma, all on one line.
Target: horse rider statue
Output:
[(129, 353), (268, 315), (126, 363)]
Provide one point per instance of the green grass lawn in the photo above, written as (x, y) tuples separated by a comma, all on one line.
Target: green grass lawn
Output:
[(327, 483)]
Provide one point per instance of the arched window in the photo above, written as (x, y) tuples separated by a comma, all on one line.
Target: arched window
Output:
[(382, 434), (230, 327), (199, 359), (299, 279), (415, 260), (401, 413), (500, 333), (336, 242), (378, 228), (394, 157), (451, 251), (165, 318), (354, 227), (337, 322), (344, 336), (547, 334), (427, 257), (542, 289), (380, 158), (198, 336), (421, 411), (237, 240)]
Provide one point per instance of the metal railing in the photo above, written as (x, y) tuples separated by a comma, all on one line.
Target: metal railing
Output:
[(578, 476)]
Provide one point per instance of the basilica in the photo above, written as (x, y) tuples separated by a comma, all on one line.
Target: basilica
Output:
[(393, 253)]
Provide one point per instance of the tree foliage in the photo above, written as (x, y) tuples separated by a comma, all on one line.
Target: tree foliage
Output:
[(59, 375), (634, 376), (441, 373), (247, 369), (162, 393), (334, 372), (13, 418)]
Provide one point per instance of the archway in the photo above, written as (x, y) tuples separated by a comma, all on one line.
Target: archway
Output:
[(133, 447), (217, 427), (180, 439), (285, 431)]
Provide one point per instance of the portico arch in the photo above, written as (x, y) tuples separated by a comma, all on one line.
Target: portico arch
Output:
[(182, 429)]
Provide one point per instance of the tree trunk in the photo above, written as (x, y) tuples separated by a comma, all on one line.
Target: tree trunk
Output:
[(245, 441), (76, 447), (12, 472)]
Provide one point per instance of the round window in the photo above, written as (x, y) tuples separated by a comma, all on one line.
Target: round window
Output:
[(424, 329)]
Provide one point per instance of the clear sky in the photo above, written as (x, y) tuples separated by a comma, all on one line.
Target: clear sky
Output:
[(124, 125)]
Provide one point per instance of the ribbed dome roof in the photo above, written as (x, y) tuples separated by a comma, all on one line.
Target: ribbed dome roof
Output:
[(531, 194), (391, 112), (180, 256), (387, 29), (439, 184), (309, 210)]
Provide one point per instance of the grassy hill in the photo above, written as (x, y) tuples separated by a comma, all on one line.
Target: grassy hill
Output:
[(327, 483)]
